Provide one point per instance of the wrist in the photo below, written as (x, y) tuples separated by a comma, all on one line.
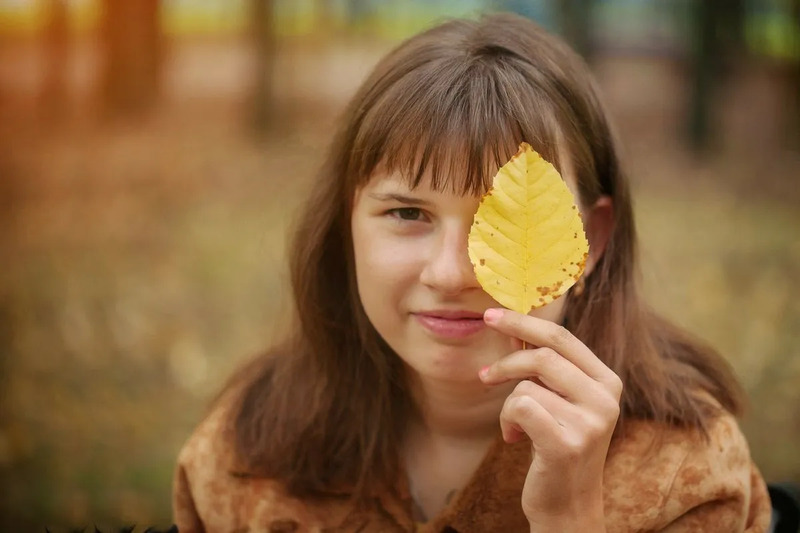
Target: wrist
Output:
[(588, 518), (575, 524)]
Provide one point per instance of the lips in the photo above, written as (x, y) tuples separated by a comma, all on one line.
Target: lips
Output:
[(452, 314), (450, 323)]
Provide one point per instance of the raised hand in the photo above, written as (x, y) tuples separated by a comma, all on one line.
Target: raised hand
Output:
[(567, 404)]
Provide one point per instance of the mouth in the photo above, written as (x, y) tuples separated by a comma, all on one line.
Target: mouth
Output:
[(453, 324)]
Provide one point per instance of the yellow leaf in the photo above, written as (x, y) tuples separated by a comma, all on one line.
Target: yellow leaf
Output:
[(527, 243)]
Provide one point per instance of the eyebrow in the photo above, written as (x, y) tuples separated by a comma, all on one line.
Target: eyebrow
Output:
[(390, 196)]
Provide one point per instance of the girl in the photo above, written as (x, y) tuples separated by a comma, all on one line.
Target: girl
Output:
[(403, 398)]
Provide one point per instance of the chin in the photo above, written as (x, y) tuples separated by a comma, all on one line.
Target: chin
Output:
[(453, 366), (454, 376)]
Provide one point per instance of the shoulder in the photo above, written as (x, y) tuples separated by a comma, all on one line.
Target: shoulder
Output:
[(678, 479), (207, 453), (201, 471), (208, 496)]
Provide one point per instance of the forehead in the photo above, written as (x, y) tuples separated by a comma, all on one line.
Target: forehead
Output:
[(384, 181), (397, 182), (394, 187)]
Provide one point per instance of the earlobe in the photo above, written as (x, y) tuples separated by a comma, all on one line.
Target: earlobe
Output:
[(599, 225)]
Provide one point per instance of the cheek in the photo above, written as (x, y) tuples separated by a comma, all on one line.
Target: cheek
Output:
[(385, 264), (554, 311)]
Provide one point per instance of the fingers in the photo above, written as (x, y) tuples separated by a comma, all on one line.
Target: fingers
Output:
[(555, 427), (545, 365), (546, 334), (531, 410)]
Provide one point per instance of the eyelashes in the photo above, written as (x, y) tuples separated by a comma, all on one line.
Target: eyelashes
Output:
[(407, 214)]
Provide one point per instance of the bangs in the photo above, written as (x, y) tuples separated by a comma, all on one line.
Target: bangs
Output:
[(455, 120)]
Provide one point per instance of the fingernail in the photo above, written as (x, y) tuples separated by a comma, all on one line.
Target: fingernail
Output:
[(492, 316), (484, 373)]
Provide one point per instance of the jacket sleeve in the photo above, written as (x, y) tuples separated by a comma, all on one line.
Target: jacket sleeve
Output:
[(184, 512), (717, 487)]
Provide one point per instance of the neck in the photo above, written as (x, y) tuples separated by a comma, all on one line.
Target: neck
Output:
[(452, 429), (449, 411)]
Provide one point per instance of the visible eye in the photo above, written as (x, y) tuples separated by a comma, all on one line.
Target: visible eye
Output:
[(407, 213)]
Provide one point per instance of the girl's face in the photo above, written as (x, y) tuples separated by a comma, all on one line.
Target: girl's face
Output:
[(416, 282)]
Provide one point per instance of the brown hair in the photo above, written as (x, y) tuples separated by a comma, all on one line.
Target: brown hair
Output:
[(325, 410)]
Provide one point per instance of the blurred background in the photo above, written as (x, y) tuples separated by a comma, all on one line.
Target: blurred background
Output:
[(153, 153)]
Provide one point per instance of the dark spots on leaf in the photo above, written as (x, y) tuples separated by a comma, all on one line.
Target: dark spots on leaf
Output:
[(548, 291), (482, 262)]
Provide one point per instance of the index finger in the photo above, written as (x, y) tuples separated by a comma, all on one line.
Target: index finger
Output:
[(543, 333)]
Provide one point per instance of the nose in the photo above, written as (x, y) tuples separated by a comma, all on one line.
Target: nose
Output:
[(448, 269)]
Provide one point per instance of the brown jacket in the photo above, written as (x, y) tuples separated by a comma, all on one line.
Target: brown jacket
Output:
[(683, 484)]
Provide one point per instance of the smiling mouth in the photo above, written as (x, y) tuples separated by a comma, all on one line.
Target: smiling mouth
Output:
[(452, 314), (451, 324)]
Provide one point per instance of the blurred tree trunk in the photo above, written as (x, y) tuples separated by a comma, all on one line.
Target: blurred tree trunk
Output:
[(264, 43), (717, 33), (56, 44), (794, 123), (356, 14), (701, 73), (132, 48), (325, 21), (575, 20)]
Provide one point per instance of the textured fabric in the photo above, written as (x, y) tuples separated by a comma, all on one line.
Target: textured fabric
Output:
[(679, 483)]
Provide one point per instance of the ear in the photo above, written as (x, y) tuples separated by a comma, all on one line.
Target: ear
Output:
[(599, 224)]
